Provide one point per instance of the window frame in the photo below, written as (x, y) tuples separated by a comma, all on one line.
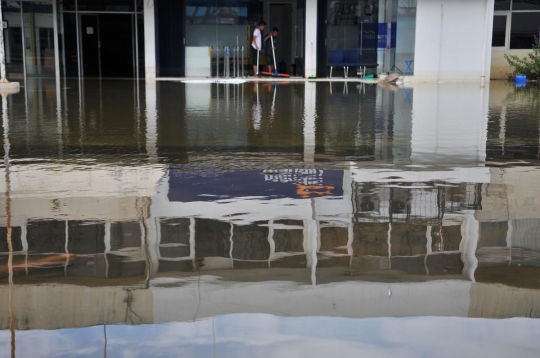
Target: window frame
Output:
[(508, 14)]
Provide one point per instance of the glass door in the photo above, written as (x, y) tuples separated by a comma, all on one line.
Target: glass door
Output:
[(13, 39), (299, 33)]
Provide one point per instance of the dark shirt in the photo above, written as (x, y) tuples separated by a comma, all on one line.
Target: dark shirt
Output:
[(268, 45)]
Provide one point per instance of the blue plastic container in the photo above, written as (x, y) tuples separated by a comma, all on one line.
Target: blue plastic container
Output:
[(521, 81)]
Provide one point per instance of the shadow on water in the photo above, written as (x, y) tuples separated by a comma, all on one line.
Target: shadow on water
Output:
[(154, 205)]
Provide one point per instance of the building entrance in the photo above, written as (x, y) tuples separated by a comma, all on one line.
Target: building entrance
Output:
[(108, 45), (102, 39), (215, 30), (288, 18)]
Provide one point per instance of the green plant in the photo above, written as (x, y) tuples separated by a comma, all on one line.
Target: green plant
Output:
[(529, 65)]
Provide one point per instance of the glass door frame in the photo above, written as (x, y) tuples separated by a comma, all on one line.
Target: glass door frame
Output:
[(134, 28), (53, 3)]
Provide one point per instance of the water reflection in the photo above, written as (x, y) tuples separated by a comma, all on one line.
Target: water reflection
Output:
[(270, 336), (148, 203)]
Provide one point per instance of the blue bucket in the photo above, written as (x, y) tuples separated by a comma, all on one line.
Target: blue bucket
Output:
[(521, 81)]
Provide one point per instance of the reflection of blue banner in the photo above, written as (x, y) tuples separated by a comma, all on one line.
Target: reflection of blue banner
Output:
[(285, 183), (374, 35)]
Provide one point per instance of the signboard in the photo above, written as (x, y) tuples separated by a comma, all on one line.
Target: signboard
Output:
[(270, 184)]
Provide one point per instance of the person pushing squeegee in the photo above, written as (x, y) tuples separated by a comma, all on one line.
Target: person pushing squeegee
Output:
[(272, 71)]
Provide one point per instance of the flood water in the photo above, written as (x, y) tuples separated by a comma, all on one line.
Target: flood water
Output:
[(269, 220)]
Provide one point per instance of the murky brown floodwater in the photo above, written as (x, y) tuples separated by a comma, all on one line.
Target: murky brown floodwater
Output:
[(318, 220)]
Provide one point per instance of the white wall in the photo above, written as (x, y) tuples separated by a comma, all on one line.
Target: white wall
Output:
[(499, 65), (453, 40)]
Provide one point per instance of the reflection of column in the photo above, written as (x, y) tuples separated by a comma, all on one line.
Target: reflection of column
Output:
[(309, 123), (231, 241), (149, 40), (151, 120), (107, 240), (509, 240), (502, 127), (470, 231), (311, 243), (429, 249), (24, 241), (154, 239), (271, 241), (192, 232), (449, 124), (385, 101), (66, 247)]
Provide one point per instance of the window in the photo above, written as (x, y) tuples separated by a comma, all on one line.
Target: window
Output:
[(526, 5), (525, 25), (502, 5), (518, 21), (499, 31)]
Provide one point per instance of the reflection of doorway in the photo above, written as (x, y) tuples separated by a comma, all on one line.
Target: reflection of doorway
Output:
[(107, 45)]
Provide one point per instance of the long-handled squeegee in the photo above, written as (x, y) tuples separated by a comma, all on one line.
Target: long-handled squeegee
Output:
[(275, 73)]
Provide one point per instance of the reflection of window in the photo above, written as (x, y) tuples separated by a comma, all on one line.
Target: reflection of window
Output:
[(525, 25), (499, 31)]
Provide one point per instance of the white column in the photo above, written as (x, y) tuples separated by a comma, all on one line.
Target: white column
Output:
[(150, 40), (310, 60), (309, 122), (488, 33), (441, 53), (56, 52)]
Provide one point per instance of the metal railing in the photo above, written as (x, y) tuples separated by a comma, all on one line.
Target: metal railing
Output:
[(233, 61)]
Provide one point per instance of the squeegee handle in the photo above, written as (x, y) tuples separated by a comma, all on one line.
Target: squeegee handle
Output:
[(273, 54), (257, 62)]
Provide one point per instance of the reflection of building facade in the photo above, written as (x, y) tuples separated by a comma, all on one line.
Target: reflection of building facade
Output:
[(134, 232), (132, 38), (381, 231)]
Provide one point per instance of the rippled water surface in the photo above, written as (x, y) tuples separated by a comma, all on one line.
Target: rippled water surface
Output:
[(272, 220)]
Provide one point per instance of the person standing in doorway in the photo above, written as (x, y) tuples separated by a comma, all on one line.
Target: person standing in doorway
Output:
[(270, 44), (256, 46)]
